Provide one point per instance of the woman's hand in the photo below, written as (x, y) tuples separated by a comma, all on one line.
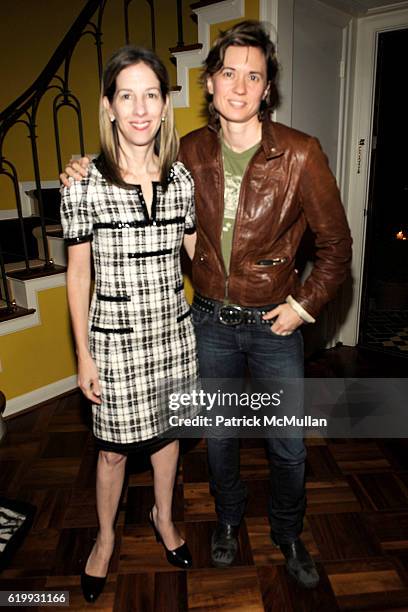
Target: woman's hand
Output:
[(77, 168), (286, 320), (88, 380)]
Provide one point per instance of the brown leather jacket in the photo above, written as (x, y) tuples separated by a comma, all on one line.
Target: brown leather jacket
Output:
[(287, 186)]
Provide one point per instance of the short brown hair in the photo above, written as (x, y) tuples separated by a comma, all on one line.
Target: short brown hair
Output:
[(248, 33)]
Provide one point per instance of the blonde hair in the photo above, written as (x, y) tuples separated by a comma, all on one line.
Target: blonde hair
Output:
[(166, 143)]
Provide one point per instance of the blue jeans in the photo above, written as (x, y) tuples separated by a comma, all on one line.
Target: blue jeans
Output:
[(228, 352)]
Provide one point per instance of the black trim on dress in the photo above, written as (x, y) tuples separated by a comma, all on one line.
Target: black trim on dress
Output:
[(78, 240), (149, 254), (113, 298), (112, 330), (184, 315), (136, 224)]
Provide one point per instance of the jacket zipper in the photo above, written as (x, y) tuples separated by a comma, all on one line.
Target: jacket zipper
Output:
[(236, 218), (222, 209)]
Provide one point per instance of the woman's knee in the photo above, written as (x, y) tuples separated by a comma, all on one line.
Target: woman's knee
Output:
[(111, 459)]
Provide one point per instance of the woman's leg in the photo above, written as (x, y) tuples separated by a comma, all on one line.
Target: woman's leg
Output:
[(164, 464), (110, 474)]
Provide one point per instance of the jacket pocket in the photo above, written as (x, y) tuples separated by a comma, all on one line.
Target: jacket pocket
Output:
[(272, 261)]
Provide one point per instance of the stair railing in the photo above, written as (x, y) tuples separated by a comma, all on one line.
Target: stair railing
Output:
[(24, 111)]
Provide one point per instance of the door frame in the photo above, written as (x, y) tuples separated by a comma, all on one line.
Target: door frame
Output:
[(359, 150)]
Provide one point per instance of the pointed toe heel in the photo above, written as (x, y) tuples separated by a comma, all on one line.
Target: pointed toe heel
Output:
[(179, 557), (92, 586)]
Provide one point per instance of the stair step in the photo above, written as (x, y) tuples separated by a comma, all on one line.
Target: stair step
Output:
[(16, 266), (198, 5), (17, 311), (37, 272), (186, 48), (55, 233)]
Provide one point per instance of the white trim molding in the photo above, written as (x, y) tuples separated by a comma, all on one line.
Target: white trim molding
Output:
[(29, 205), (359, 149), (25, 293), (11, 213), (37, 396), (207, 15), (268, 14), (278, 16), (387, 8)]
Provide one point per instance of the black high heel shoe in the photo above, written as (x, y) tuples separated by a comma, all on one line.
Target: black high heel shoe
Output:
[(92, 586), (180, 557)]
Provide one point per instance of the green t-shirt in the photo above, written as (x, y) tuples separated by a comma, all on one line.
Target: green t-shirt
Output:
[(234, 168)]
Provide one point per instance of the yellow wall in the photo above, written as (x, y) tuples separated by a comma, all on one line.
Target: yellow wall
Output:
[(38, 356), (31, 32), (41, 355)]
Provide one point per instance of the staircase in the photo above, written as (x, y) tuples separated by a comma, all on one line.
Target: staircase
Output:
[(37, 358)]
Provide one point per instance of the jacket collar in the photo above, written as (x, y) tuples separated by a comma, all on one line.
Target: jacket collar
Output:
[(269, 143)]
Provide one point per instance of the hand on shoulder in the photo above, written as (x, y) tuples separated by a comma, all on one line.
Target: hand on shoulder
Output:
[(77, 169)]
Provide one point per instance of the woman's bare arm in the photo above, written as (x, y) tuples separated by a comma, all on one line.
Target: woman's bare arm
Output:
[(189, 243), (78, 286)]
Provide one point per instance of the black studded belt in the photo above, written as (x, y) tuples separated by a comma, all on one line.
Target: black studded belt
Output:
[(231, 314)]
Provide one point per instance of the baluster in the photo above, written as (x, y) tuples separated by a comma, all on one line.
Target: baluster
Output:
[(33, 137), (152, 23), (180, 34), (6, 293), (126, 19), (12, 175)]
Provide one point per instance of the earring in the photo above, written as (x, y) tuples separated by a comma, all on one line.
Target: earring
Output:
[(163, 119), (112, 119)]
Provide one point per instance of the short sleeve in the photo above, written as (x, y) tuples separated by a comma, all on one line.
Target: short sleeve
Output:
[(76, 217), (190, 226)]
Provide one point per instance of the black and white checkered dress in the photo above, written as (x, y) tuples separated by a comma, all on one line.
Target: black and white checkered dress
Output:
[(140, 330)]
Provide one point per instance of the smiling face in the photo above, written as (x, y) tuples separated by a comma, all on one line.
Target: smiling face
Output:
[(137, 105), (241, 84)]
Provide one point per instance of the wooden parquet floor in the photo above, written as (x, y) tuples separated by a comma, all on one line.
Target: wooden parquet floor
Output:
[(356, 524)]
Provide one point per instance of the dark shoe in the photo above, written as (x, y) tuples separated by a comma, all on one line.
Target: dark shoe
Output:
[(92, 586), (300, 564), (180, 557), (224, 545)]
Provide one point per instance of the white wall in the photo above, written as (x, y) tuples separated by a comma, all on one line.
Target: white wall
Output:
[(316, 87)]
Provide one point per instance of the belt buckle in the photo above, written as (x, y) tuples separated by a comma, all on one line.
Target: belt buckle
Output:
[(231, 309)]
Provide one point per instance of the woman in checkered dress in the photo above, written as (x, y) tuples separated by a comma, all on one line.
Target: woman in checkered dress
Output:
[(136, 208)]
